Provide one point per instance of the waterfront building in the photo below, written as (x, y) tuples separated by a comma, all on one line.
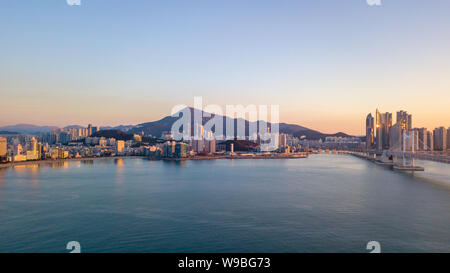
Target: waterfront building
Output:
[(282, 140), (3, 148), (17, 149), (370, 131), (422, 143), (54, 153), (383, 124), (430, 141), (181, 150), (209, 146), (170, 148), (198, 145), (120, 145), (210, 143), (448, 138), (396, 137), (440, 139), (412, 143), (33, 153), (221, 146), (19, 158)]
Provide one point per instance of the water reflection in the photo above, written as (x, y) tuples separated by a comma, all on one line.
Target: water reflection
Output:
[(120, 177), (119, 161), (175, 162), (30, 172), (88, 162), (2, 177), (59, 164)]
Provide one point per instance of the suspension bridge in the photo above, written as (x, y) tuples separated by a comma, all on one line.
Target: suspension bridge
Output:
[(403, 153)]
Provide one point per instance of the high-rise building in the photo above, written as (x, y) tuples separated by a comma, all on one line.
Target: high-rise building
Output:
[(34, 152), (120, 145), (18, 149), (448, 138), (89, 128), (413, 141), (396, 137), (170, 148), (430, 141), (383, 124), (405, 120), (422, 143), (370, 131), (198, 145), (3, 148), (210, 146), (282, 140), (95, 129), (180, 150), (440, 139)]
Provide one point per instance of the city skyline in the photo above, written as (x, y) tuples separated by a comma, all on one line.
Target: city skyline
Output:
[(325, 63), (364, 129)]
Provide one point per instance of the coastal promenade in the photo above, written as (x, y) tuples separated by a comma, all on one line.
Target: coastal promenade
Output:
[(241, 156), (207, 157), (52, 161)]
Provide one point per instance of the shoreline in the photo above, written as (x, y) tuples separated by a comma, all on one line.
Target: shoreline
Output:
[(50, 161), (195, 158), (293, 156)]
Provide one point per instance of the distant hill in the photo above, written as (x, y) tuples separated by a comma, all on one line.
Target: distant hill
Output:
[(8, 133), (74, 127), (117, 134), (121, 135), (120, 127), (156, 128), (27, 128), (240, 145)]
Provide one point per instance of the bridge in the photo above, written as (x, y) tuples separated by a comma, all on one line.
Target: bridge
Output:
[(402, 158)]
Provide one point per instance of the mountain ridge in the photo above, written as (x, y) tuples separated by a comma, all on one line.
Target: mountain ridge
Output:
[(156, 128)]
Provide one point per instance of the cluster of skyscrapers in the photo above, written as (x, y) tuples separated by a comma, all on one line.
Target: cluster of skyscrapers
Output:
[(66, 135), (64, 143), (382, 134)]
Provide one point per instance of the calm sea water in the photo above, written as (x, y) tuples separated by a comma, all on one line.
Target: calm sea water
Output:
[(325, 203)]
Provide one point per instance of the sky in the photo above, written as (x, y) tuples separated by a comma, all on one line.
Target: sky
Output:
[(326, 63)]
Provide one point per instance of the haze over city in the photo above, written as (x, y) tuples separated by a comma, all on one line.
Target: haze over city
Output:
[(326, 63)]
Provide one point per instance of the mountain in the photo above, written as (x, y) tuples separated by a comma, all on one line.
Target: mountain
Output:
[(74, 127), (27, 128), (156, 128), (120, 127), (117, 134), (8, 133), (121, 135)]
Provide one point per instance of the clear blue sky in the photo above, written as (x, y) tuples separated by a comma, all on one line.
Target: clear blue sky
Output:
[(327, 63)]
